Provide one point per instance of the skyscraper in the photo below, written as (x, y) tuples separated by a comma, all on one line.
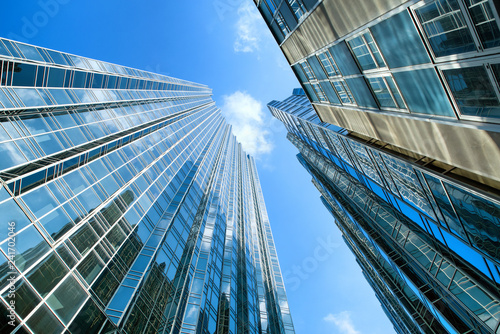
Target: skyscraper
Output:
[(420, 78), (127, 205), (427, 243)]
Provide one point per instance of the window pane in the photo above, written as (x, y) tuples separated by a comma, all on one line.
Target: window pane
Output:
[(319, 92), (484, 21), (57, 223), (30, 246), (308, 71), (89, 320), (24, 75), (399, 33), (25, 298), (29, 96), (362, 93), (44, 321), (56, 77), (57, 57), (3, 50), (45, 276), (40, 201), (67, 299), (445, 28), (473, 91), (11, 155), (395, 93), (329, 64), (423, 92), (382, 92), (373, 48), (30, 52), (360, 50), (60, 96)]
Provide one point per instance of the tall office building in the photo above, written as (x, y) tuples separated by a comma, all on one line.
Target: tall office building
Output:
[(420, 78), (126, 205), (427, 243)]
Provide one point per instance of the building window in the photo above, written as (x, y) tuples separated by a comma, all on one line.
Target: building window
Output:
[(366, 52), (445, 27), (272, 5), (308, 71), (387, 93), (282, 24), (473, 90), (482, 16), (319, 92), (329, 64), (343, 92), (297, 7)]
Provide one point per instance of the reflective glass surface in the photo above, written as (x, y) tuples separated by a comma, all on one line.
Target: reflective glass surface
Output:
[(445, 27)]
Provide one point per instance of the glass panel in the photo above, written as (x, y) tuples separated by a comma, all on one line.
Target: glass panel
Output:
[(399, 33), (473, 91), (67, 299), (319, 92), (395, 92), (78, 61), (35, 125), (445, 28), (24, 75), (343, 91), (44, 321), (423, 92), (362, 53), (308, 71), (30, 246), (45, 276), (29, 96), (484, 21), (381, 91), (57, 57), (57, 223), (56, 77), (373, 48), (480, 217), (40, 201), (5, 100), (11, 156), (297, 8), (89, 320), (363, 95), (329, 64), (60, 96), (3, 50), (49, 143), (90, 267), (25, 298), (30, 52)]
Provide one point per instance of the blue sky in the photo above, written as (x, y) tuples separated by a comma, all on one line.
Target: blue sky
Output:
[(225, 45)]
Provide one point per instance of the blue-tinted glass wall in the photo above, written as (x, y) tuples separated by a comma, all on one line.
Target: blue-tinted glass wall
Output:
[(397, 215), (127, 205)]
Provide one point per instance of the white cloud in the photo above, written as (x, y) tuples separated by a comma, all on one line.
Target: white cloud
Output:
[(343, 322), (249, 123), (248, 36)]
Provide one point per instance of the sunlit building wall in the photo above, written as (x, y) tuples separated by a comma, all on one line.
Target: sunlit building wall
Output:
[(126, 205), (418, 77), (427, 243)]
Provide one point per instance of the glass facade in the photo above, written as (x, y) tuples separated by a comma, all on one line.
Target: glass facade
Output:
[(127, 205), (427, 244)]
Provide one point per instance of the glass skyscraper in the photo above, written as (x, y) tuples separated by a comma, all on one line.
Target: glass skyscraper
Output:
[(126, 205), (420, 78), (427, 243)]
